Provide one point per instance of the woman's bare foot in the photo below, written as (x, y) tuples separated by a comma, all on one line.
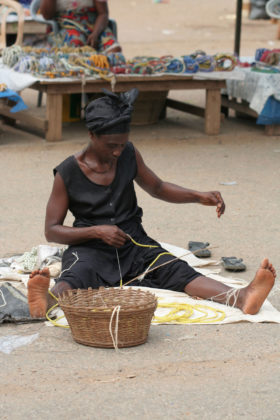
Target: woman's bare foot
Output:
[(252, 296), (38, 286)]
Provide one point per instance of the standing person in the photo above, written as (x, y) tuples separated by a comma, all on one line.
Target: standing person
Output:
[(97, 186), (81, 22)]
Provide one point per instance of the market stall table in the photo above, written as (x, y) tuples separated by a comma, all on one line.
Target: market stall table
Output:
[(56, 88)]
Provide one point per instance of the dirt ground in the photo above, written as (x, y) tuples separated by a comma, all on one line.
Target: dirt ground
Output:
[(193, 371)]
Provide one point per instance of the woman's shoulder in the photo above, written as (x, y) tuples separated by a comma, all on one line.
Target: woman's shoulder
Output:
[(128, 152), (128, 159), (66, 165), (129, 148)]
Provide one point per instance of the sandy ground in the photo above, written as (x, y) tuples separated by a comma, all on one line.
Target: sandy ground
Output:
[(197, 372)]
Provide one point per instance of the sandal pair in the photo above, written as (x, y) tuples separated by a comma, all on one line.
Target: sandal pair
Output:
[(199, 249)]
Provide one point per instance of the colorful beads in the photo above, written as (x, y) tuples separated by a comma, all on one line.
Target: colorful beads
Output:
[(68, 62)]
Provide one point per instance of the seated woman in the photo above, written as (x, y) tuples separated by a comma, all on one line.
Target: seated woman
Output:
[(81, 22)]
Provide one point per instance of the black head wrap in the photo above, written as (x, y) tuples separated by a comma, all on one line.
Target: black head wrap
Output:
[(111, 114)]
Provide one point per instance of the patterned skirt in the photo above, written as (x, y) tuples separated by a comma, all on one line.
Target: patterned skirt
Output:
[(76, 26)]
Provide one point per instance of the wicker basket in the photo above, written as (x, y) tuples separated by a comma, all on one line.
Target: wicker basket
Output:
[(149, 107), (109, 317)]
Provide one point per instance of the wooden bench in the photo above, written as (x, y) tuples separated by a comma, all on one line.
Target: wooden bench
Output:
[(55, 89)]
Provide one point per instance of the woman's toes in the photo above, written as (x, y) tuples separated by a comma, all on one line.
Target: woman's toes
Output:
[(45, 272), (33, 273)]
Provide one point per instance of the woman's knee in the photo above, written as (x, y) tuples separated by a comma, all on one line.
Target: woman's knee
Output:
[(61, 287)]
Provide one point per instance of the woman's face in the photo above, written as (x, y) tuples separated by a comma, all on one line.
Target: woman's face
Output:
[(108, 147)]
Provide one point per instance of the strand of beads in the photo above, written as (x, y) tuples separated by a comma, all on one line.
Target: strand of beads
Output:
[(11, 55), (206, 63), (225, 62)]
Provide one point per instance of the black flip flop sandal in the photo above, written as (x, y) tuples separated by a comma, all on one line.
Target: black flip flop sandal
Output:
[(199, 249), (233, 264)]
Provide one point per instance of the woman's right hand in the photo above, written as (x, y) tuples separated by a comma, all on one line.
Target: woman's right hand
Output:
[(92, 40), (111, 235)]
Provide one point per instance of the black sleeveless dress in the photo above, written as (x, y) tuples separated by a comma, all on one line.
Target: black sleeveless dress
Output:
[(95, 263)]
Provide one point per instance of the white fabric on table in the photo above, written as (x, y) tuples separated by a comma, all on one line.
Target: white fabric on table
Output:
[(14, 80), (255, 88)]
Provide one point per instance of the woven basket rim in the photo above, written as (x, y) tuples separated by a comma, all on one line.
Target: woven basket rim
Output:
[(147, 300), (105, 309)]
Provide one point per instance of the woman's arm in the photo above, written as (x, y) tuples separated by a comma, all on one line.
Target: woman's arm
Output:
[(55, 231), (48, 8), (100, 24), (172, 193)]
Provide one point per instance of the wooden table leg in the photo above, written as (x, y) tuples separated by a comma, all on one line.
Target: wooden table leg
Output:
[(213, 111), (272, 130), (54, 117)]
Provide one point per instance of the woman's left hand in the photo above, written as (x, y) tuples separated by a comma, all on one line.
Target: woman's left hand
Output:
[(213, 198)]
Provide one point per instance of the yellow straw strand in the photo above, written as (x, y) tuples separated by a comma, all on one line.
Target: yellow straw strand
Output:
[(54, 322), (159, 255), (53, 296), (181, 313), (142, 245)]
